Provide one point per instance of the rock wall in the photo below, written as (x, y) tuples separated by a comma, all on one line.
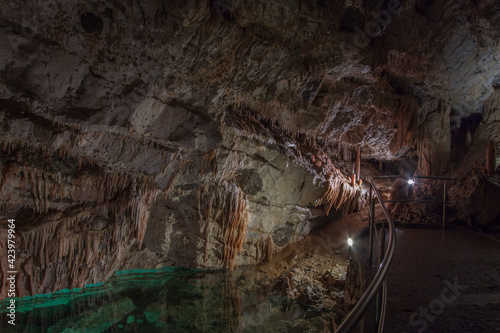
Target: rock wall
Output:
[(212, 133), (77, 223)]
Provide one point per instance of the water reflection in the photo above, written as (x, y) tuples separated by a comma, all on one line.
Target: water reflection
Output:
[(166, 300)]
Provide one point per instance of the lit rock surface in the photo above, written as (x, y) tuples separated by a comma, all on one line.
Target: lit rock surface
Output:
[(210, 134)]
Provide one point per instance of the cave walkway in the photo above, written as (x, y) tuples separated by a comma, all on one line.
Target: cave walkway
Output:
[(444, 281)]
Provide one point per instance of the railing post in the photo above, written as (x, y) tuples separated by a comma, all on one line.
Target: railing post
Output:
[(371, 222), (383, 296), (444, 205), (381, 255)]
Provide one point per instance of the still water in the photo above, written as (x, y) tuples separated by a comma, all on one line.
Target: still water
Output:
[(166, 300)]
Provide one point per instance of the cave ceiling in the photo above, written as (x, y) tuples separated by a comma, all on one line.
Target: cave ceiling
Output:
[(211, 133)]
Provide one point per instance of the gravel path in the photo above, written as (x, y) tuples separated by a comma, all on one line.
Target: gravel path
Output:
[(444, 281)]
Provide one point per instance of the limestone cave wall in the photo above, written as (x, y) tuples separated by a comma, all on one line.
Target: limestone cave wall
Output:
[(210, 134)]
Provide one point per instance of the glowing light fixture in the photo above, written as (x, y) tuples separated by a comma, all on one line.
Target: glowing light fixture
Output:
[(411, 181), (349, 241)]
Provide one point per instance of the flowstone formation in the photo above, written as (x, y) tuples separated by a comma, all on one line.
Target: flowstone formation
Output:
[(211, 134)]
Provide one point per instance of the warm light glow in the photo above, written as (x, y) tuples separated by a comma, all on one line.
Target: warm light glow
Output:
[(411, 182), (349, 241)]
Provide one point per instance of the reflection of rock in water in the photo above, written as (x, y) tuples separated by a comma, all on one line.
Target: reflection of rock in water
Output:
[(169, 299), (232, 306)]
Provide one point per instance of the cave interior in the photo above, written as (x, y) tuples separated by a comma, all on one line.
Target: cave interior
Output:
[(233, 137)]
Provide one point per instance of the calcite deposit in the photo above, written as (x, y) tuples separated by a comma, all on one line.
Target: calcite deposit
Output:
[(211, 134)]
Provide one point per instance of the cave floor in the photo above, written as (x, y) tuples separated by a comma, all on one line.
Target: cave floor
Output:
[(444, 281)]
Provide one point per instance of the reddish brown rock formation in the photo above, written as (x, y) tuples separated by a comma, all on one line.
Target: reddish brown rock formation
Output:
[(204, 135)]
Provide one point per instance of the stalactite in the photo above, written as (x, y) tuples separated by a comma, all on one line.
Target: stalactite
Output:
[(140, 210), (56, 244), (490, 158), (264, 248), (208, 164), (269, 247), (341, 193), (358, 163), (225, 204), (405, 116)]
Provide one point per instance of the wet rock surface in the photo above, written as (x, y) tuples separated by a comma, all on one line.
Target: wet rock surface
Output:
[(128, 130)]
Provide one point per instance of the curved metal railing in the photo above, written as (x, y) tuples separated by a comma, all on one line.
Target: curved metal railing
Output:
[(359, 310), (379, 280)]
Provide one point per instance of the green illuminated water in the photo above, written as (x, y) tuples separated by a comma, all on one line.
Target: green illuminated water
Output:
[(165, 300)]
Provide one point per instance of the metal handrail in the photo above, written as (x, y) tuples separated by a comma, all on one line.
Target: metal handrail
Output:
[(353, 318), (444, 202), (416, 177), (358, 311)]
